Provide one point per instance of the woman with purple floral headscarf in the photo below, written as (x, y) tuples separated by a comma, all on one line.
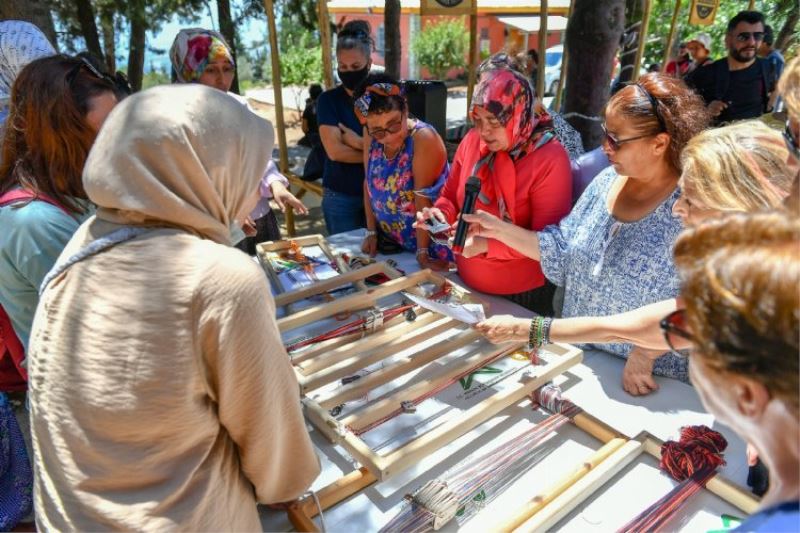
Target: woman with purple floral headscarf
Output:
[(525, 179)]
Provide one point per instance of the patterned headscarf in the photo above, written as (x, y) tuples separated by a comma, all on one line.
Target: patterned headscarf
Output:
[(193, 49), (508, 95), (20, 43), (383, 89)]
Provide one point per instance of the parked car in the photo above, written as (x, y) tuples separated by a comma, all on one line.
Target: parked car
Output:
[(552, 68)]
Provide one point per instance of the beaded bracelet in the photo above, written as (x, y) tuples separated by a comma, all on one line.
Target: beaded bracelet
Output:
[(370, 233), (539, 332), (422, 251)]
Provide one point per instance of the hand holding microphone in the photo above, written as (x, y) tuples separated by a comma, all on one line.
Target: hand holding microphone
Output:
[(471, 190)]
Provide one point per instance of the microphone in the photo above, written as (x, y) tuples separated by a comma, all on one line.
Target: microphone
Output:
[(471, 191)]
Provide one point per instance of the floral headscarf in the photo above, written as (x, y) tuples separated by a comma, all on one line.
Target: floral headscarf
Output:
[(508, 95), (20, 43), (193, 49), (383, 89)]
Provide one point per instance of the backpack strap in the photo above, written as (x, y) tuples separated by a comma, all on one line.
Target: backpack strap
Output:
[(18, 195)]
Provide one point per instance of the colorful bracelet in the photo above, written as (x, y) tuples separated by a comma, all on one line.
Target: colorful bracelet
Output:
[(539, 332)]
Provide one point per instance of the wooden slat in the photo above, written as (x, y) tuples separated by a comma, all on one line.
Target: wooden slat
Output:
[(352, 302), (420, 447), (365, 358), (399, 367), (377, 410)]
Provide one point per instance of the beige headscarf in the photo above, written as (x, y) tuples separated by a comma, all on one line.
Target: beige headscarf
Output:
[(183, 156)]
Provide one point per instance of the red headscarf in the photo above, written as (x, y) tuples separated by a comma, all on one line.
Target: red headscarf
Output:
[(508, 95)]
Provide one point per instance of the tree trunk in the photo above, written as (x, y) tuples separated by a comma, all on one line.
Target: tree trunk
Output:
[(784, 38), (109, 38), (392, 46), (593, 34), (228, 30), (136, 14), (89, 28), (37, 12), (634, 11)]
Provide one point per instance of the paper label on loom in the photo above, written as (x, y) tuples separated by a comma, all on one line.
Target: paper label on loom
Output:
[(466, 313)]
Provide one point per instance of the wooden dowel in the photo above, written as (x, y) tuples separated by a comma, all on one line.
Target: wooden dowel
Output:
[(388, 347), (300, 520), (574, 495), (397, 368), (329, 284), (420, 447), (375, 411), (562, 76), (539, 501)]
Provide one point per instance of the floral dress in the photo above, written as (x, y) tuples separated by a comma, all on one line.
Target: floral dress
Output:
[(608, 267), (390, 185)]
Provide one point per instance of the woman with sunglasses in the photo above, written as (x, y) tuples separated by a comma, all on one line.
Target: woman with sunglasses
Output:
[(406, 166), (525, 178), (204, 56), (741, 275), (57, 105), (738, 168), (613, 253)]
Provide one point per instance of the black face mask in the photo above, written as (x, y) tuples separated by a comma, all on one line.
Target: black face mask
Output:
[(353, 78)]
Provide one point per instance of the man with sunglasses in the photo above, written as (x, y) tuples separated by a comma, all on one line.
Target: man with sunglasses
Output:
[(737, 87)]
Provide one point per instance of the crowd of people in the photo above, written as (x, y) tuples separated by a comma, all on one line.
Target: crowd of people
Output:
[(146, 346)]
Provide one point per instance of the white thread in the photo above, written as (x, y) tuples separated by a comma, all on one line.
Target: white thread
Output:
[(322, 526), (580, 115)]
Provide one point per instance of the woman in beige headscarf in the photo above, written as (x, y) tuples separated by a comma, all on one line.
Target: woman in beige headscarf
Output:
[(161, 395)]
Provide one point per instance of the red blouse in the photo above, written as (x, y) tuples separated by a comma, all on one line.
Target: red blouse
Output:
[(543, 197)]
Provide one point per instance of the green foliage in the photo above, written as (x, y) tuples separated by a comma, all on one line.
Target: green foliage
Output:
[(441, 47), (775, 11), (301, 55), (153, 78)]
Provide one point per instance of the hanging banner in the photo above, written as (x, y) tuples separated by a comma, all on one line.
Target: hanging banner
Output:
[(446, 7), (703, 12)]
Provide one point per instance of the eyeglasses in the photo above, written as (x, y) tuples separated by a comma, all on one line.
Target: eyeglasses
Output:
[(654, 103), (674, 325), (615, 143), (792, 142), (745, 36), (380, 133), (85, 63)]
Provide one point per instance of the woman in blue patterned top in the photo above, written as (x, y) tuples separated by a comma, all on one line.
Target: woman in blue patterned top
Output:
[(406, 166), (613, 253)]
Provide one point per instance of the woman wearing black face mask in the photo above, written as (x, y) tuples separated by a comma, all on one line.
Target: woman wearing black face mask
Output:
[(340, 131)]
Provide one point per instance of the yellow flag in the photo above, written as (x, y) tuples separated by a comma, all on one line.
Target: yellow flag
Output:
[(703, 12)]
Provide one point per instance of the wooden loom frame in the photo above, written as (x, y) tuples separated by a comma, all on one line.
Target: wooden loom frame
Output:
[(550, 506), (337, 358), (263, 248)]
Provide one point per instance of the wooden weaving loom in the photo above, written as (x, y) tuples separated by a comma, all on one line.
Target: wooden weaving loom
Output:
[(388, 341), (268, 252)]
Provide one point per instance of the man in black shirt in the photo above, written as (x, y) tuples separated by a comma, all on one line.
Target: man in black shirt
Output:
[(738, 86)]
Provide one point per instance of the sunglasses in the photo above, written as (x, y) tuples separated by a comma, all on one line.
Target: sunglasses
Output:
[(792, 142), (380, 133), (745, 36), (674, 325), (615, 143)]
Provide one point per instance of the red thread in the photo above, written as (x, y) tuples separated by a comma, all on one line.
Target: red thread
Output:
[(699, 448)]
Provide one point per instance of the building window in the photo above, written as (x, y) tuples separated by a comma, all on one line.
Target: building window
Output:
[(380, 43)]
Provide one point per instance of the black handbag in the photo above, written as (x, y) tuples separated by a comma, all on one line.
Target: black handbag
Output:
[(315, 163)]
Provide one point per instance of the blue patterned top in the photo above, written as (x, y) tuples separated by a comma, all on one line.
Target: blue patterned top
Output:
[(608, 267), (390, 184)]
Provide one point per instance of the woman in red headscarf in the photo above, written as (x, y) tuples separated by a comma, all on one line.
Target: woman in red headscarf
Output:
[(525, 179)]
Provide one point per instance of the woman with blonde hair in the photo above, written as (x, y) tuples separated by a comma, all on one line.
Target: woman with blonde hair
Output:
[(741, 275), (737, 168)]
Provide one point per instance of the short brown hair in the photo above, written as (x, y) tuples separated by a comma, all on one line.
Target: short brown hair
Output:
[(741, 275), (683, 112), (47, 137)]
